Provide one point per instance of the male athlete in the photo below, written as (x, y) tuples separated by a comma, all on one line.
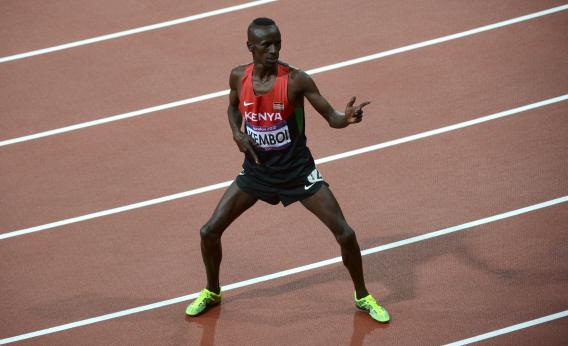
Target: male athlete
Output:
[(278, 166)]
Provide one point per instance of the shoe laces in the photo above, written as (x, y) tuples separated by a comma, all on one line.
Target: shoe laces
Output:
[(202, 298), (370, 302)]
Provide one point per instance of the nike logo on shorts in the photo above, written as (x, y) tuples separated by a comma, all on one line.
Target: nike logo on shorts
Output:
[(313, 178), (308, 186)]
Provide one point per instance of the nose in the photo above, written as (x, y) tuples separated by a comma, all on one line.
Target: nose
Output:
[(272, 49)]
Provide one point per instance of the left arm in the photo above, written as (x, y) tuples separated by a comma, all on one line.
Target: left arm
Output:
[(353, 113)]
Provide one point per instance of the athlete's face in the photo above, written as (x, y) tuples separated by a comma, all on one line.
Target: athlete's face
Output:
[(264, 44)]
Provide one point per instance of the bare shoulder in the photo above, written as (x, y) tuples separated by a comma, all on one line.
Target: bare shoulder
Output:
[(296, 73), (239, 70), (237, 74), (298, 78)]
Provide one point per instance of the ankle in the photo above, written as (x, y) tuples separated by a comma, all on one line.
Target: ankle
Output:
[(216, 289), (361, 293)]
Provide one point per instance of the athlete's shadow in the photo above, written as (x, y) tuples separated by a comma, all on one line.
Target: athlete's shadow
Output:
[(207, 323), (362, 326), (398, 267)]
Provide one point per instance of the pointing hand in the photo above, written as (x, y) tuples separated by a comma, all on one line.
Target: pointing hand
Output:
[(354, 114)]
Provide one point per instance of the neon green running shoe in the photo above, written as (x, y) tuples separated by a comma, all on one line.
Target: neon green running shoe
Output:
[(369, 304), (205, 300)]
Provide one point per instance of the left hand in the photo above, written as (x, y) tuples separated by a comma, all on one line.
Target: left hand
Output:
[(354, 114)]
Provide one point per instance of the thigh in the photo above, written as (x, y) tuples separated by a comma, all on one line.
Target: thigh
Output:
[(233, 203), (324, 205)]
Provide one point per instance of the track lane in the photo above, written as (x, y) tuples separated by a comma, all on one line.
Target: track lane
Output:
[(152, 254), (116, 168), (30, 25), (433, 278), (155, 68)]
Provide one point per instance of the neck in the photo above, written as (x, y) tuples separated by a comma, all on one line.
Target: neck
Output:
[(264, 72)]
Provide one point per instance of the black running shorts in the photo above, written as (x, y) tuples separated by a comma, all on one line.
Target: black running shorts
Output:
[(286, 194)]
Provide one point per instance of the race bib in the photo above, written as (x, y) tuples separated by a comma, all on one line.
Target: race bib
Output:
[(275, 137)]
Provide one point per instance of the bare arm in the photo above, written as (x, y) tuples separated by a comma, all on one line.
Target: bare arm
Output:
[(245, 143), (353, 113), (235, 117)]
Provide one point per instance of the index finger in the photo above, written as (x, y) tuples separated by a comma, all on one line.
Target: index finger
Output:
[(252, 152), (363, 104)]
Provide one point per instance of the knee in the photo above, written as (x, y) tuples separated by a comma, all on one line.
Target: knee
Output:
[(208, 233), (346, 236)]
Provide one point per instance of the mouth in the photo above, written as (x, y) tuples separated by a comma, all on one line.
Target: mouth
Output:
[(271, 59)]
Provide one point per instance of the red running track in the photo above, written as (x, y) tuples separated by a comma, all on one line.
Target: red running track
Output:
[(438, 291)]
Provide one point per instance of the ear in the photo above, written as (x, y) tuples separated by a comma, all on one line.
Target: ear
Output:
[(249, 46)]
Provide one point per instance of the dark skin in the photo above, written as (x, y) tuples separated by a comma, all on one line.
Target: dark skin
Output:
[(264, 42)]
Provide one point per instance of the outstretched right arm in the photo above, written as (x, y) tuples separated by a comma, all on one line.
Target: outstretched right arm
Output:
[(245, 143)]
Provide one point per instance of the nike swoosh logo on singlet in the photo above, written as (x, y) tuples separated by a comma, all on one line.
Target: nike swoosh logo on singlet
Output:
[(248, 103)]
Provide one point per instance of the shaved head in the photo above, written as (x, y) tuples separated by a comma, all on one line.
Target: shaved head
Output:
[(259, 25)]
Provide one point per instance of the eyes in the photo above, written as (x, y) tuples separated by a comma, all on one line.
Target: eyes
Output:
[(267, 44)]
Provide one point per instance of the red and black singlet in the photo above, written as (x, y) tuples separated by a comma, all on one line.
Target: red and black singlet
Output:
[(278, 130)]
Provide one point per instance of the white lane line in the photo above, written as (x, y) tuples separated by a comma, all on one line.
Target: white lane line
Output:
[(109, 119), (511, 329), (322, 160), (135, 30), (311, 72), (289, 271), (441, 39), (444, 129), (116, 210)]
